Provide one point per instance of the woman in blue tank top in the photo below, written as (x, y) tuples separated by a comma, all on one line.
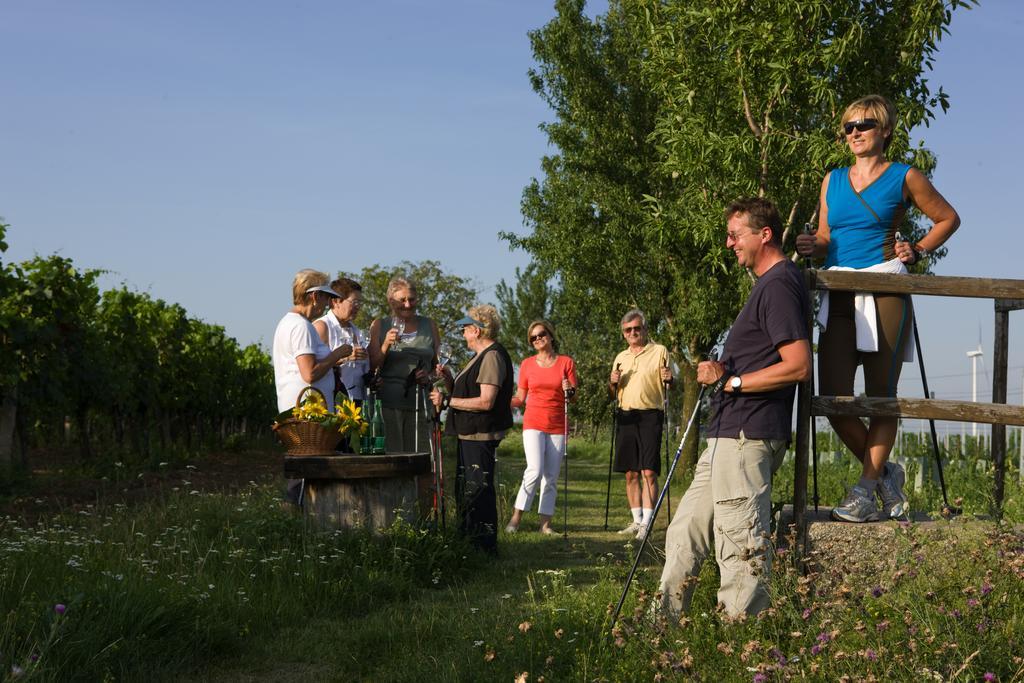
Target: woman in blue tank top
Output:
[(861, 208)]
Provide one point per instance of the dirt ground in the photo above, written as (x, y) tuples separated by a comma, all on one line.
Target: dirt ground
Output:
[(58, 484)]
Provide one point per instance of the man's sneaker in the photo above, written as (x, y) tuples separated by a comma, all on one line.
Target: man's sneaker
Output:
[(642, 530), (631, 529), (890, 492), (859, 506)]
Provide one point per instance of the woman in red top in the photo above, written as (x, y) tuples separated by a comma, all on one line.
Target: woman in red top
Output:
[(544, 377)]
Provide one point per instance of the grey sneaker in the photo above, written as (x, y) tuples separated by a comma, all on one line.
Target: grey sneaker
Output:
[(859, 506), (642, 530), (890, 492), (631, 529)]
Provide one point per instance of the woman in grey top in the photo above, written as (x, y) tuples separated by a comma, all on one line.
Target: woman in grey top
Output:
[(404, 349)]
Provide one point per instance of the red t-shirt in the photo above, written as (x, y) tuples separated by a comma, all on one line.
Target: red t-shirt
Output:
[(545, 410)]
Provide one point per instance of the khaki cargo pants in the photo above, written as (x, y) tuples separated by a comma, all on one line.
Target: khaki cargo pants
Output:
[(728, 504)]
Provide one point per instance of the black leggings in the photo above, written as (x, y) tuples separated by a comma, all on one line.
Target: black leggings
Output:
[(838, 356)]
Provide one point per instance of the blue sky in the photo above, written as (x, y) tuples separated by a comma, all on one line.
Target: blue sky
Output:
[(204, 152)]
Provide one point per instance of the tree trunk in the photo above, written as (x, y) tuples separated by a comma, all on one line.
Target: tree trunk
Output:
[(84, 451), (8, 417), (688, 374)]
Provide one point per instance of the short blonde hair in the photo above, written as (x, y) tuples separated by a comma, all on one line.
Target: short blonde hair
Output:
[(304, 279), (488, 315), (398, 282), (876, 107)]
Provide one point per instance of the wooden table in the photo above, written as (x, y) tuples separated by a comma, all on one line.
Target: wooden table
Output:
[(345, 491)]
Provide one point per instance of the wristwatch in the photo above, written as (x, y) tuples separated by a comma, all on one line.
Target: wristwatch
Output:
[(736, 383)]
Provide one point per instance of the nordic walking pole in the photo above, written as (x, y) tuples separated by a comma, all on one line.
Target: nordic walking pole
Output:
[(433, 464), (657, 506), (566, 393), (947, 509), (438, 437), (611, 448), (664, 438), (814, 422)]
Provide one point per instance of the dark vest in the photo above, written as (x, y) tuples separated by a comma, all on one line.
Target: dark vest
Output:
[(499, 417)]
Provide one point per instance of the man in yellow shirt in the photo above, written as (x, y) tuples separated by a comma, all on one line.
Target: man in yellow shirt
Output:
[(638, 380)]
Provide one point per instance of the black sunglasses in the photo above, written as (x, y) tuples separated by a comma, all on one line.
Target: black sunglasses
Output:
[(539, 335), (861, 125)]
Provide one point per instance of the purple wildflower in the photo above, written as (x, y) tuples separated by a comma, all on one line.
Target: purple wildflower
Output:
[(60, 608), (877, 592), (986, 588), (956, 614), (824, 637), (760, 677), (779, 657), (871, 654), (972, 602), (989, 677), (807, 613), (815, 649)]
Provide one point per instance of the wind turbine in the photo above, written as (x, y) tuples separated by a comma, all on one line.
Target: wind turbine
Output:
[(974, 356)]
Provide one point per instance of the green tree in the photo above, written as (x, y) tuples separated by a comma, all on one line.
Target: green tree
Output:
[(11, 325), (528, 298), (665, 111)]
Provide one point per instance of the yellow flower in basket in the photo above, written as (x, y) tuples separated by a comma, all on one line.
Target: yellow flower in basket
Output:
[(310, 429), (347, 416)]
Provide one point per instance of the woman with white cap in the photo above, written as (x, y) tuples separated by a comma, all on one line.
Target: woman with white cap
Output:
[(300, 358)]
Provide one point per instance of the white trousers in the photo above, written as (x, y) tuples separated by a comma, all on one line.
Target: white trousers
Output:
[(543, 463)]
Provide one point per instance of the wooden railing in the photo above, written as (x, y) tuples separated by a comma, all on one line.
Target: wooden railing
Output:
[(1008, 295)]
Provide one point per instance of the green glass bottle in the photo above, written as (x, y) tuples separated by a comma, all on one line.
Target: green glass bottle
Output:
[(366, 437), (377, 429)]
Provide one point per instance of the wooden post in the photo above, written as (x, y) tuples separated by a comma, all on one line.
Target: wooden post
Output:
[(1000, 355), (803, 433), (802, 451)]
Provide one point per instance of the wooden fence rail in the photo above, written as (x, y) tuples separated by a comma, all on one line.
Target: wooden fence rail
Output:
[(1008, 295)]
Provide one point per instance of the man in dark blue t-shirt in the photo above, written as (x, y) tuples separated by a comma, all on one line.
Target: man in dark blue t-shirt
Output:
[(767, 352)]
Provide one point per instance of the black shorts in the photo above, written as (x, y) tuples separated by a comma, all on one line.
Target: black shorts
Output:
[(638, 440)]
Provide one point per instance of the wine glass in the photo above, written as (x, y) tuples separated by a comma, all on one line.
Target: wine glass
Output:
[(399, 326), (444, 354)]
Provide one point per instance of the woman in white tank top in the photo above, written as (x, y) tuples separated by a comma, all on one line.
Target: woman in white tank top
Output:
[(336, 329)]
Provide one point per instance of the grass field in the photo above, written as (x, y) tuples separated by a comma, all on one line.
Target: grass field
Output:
[(217, 587)]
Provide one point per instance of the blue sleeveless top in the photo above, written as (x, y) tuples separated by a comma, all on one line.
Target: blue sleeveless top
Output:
[(860, 238)]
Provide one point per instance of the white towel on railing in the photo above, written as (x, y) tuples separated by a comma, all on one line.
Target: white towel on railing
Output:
[(864, 310)]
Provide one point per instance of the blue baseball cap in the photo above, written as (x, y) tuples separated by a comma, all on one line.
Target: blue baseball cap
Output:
[(469, 321)]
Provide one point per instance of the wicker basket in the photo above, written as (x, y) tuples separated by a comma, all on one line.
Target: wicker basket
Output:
[(302, 437)]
